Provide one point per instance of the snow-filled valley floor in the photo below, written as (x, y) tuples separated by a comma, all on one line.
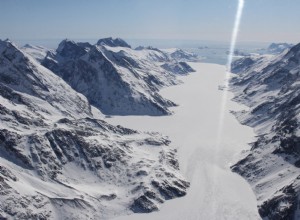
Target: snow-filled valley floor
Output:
[(215, 192)]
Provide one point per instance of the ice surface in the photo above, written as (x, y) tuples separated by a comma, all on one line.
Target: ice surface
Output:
[(215, 192)]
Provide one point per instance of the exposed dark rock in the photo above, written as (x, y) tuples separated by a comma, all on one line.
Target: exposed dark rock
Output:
[(280, 207), (96, 72), (117, 42), (143, 205), (270, 88), (57, 159)]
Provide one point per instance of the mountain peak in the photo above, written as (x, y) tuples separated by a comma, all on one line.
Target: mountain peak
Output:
[(7, 40), (64, 43), (28, 46), (293, 55), (295, 48), (10, 49), (276, 48), (7, 43), (70, 49), (113, 42)]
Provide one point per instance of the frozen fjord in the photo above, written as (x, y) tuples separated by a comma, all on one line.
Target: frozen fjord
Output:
[(215, 192)]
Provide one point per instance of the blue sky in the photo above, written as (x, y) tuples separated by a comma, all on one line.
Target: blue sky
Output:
[(263, 20)]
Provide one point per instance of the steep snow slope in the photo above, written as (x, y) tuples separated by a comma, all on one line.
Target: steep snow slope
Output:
[(276, 48), (181, 55), (37, 52), (21, 74), (270, 86), (153, 54), (117, 80), (58, 162), (181, 68)]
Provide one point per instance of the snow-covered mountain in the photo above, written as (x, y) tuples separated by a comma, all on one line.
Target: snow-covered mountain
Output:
[(276, 48), (60, 162), (115, 78), (37, 52), (181, 68), (154, 54), (181, 55), (270, 87), (111, 42)]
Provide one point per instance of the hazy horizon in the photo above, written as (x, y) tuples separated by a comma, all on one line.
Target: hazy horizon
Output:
[(149, 21), (160, 43)]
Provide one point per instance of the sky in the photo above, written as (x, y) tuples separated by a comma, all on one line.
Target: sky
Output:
[(193, 20)]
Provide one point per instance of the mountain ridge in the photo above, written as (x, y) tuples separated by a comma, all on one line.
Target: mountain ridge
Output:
[(59, 161), (269, 86), (119, 80)]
